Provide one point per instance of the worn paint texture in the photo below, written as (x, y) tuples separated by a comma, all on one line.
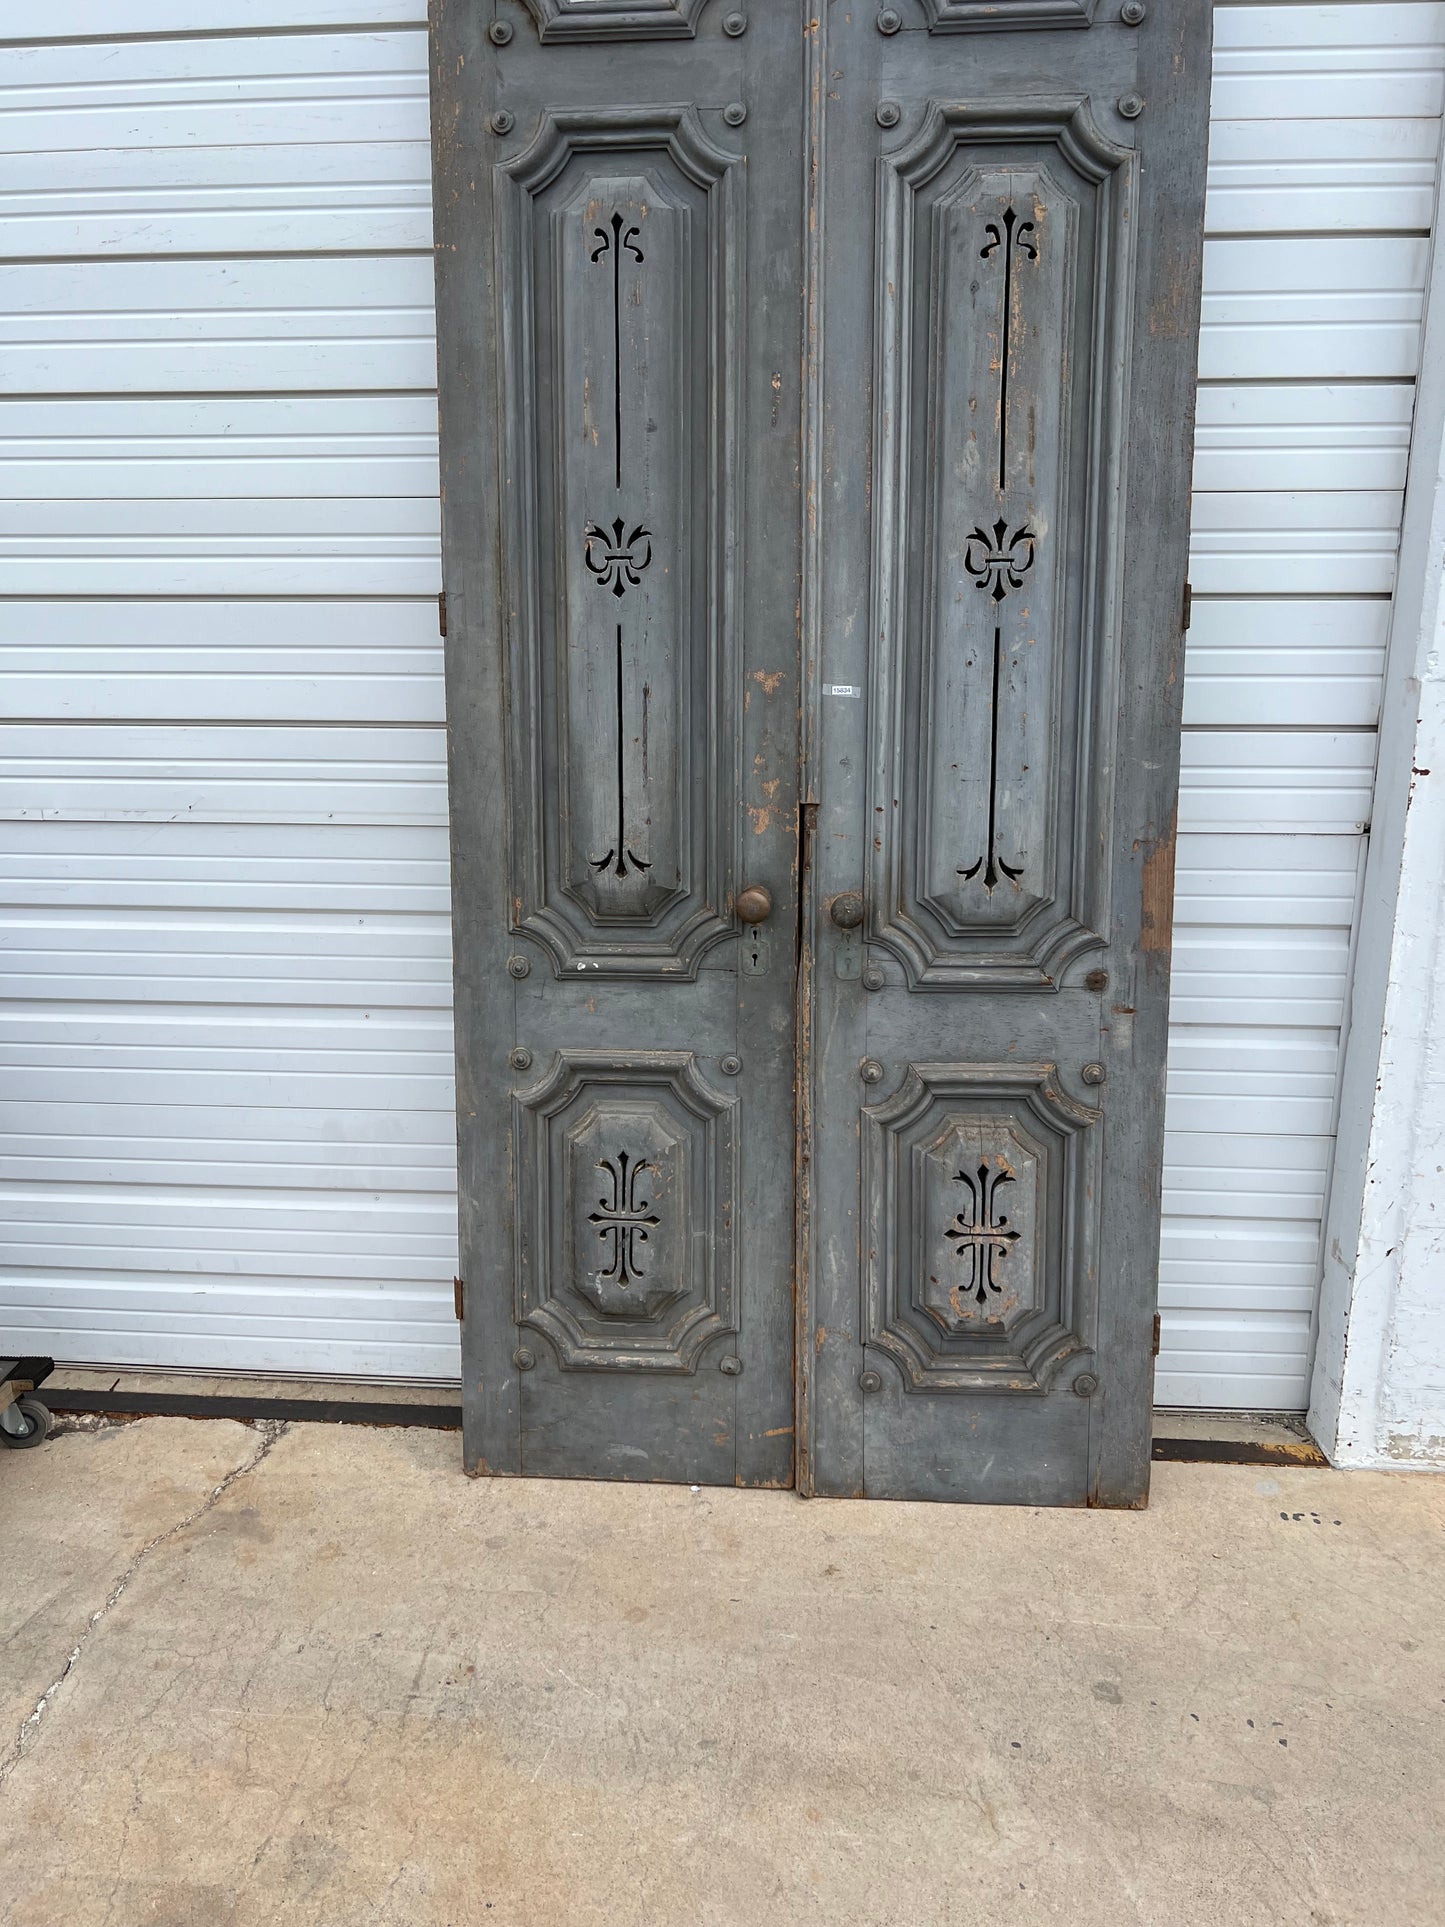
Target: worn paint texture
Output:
[(1389, 1382)]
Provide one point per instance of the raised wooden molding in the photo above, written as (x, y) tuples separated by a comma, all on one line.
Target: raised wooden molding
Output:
[(619, 19), (1004, 16)]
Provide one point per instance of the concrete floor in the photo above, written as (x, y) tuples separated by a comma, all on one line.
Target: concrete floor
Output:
[(314, 1676)]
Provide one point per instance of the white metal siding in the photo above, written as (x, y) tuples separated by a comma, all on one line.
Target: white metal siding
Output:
[(226, 1109), (228, 1103), (1323, 151)]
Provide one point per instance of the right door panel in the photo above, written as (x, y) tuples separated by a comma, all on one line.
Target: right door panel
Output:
[(1008, 243)]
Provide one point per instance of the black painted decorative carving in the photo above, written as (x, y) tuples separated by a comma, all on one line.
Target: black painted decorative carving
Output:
[(621, 855), (997, 560), (1013, 234), (618, 561), (619, 566), (981, 1234), (624, 1217), (610, 245), (991, 863)]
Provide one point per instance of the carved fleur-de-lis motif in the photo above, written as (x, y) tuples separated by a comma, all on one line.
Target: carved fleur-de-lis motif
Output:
[(998, 561), (618, 566), (1013, 230), (617, 240), (980, 1233), (623, 1218)]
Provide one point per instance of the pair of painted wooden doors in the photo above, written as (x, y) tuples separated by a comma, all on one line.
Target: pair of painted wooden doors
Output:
[(817, 391)]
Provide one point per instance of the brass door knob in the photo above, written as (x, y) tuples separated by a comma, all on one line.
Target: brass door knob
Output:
[(847, 910), (755, 903)]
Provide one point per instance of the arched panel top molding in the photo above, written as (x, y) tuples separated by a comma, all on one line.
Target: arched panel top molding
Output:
[(1005, 16), (557, 20)]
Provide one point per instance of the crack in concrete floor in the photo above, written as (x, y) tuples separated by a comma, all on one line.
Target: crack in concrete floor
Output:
[(362, 1688), (271, 1431)]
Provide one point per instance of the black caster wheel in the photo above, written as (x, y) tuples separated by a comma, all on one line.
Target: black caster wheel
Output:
[(37, 1424)]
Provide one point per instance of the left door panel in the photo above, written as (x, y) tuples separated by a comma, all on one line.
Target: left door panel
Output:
[(618, 209)]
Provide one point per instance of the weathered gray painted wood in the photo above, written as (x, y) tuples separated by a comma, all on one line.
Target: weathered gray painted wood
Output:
[(815, 384), (1173, 81), (1009, 311), (619, 240)]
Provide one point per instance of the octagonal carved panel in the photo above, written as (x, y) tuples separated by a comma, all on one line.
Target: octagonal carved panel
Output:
[(981, 1198), (626, 1171)]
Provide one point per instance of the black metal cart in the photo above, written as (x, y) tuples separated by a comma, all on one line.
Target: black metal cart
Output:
[(24, 1419)]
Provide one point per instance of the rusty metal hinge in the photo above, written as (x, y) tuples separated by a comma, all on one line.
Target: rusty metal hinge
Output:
[(459, 1300), (1188, 607), (1156, 1329), (442, 612)]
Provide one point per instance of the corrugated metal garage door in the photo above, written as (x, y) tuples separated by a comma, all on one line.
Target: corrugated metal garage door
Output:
[(226, 1122), (1323, 151)]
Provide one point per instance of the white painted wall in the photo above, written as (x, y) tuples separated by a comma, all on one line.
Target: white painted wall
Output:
[(1379, 1383), (226, 1114)]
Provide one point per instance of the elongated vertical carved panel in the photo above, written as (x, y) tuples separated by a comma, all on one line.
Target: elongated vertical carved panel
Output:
[(981, 1195), (626, 1192), (619, 258), (1003, 335)]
